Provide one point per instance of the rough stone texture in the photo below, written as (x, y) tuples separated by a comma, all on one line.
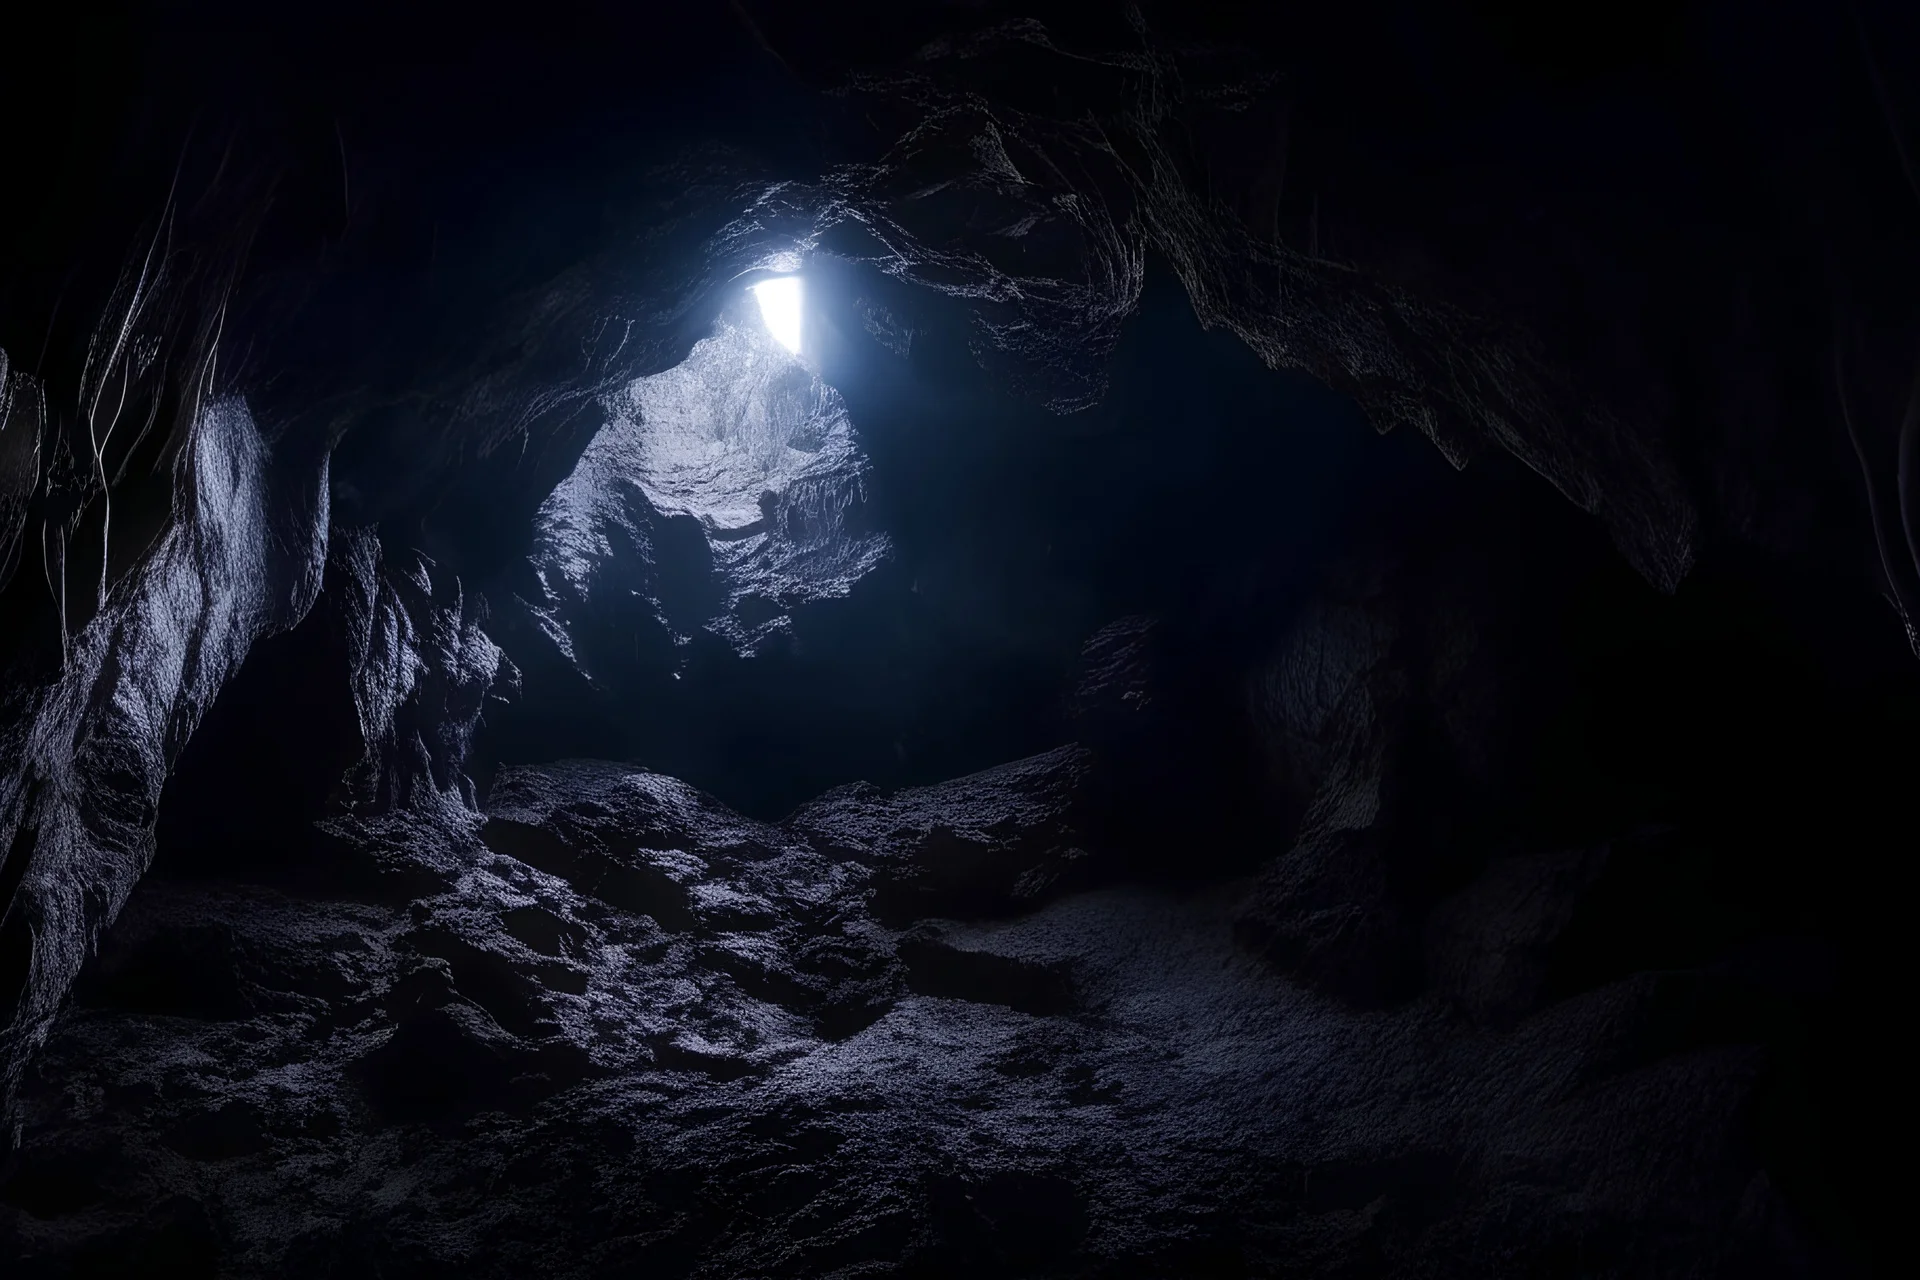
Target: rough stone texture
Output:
[(991, 842), (1048, 216), (1117, 690), (19, 467), (610, 1026), (721, 494), (421, 671), (87, 755), (1332, 707), (1333, 907)]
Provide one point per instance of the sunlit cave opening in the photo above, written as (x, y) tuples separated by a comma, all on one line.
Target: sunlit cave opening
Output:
[(780, 301), (724, 492), (772, 575)]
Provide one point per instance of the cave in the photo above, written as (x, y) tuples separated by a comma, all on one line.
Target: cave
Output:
[(958, 639)]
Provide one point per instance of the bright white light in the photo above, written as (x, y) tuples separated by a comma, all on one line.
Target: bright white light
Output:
[(780, 308)]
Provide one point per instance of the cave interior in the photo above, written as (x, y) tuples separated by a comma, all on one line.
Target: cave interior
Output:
[(958, 639)]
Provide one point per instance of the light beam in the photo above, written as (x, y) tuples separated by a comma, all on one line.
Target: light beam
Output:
[(780, 308)]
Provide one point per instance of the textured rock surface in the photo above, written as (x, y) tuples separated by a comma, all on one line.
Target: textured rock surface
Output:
[(997, 840), (86, 755), (610, 1025), (721, 494), (1050, 213), (421, 672)]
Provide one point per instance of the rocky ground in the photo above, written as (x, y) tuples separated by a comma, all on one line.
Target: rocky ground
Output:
[(609, 1027)]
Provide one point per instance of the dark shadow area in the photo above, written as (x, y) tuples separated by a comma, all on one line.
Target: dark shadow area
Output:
[(264, 765)]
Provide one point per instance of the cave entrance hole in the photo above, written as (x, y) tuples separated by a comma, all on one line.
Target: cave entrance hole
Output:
[(879, 560)]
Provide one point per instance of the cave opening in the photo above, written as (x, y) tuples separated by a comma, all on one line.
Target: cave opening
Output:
[(900, 599), (782, 301)]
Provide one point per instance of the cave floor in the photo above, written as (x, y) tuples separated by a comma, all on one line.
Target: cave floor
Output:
[(612, 1028)]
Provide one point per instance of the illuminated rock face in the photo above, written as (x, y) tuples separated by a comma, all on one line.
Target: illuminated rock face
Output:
[(87, 757), (720, 495)]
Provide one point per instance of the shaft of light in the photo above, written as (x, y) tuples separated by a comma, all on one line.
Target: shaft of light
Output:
[(780, 308)]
